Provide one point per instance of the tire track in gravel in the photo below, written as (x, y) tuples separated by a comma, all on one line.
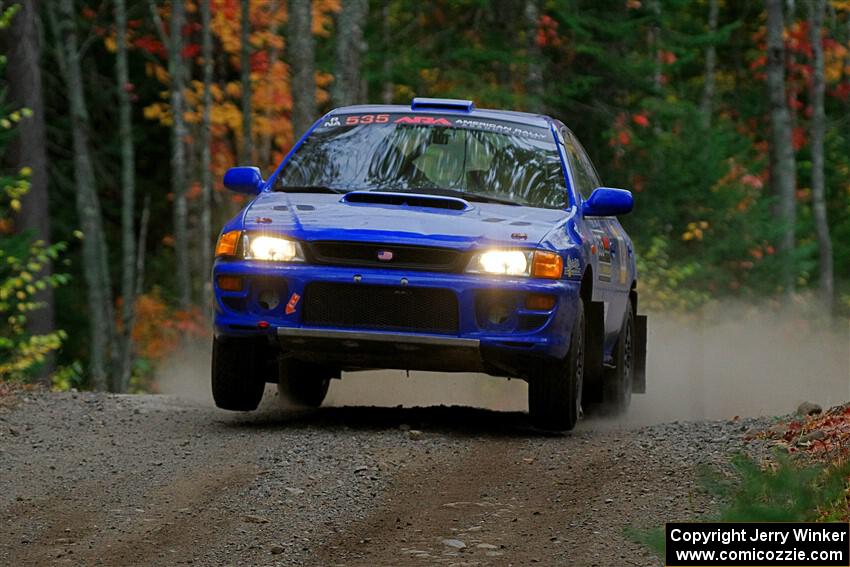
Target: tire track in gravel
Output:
[(510, 502), (44, 528), (146, 480), (190, 515), (178, 518)]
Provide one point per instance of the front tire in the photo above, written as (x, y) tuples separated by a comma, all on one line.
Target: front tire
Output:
[(303, 384), (236, 382), (618, 381), (554, 393)]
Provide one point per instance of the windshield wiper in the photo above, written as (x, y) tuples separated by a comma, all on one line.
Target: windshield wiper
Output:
[(309, 189), (477, 197)]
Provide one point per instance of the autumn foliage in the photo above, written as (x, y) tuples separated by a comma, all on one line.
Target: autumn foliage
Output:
[(825, 436), (270, 75), (630, 77), (160, 329)]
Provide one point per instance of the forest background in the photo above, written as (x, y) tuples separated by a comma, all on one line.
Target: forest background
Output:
[(728, 119)]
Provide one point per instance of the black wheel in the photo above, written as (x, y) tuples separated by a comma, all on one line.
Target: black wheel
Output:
[(236, 384), (617, 381), (554, 393), (303, 384)]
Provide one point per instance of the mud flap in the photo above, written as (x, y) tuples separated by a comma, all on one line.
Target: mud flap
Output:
[(595, 341), (639, 382)]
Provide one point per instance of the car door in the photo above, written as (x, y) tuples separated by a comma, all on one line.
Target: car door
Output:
[(610, 247)]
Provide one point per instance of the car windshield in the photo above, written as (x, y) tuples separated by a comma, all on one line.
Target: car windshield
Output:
[(482, 160)]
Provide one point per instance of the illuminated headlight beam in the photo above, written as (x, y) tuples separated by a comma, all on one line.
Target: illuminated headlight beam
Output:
[(272, 249)]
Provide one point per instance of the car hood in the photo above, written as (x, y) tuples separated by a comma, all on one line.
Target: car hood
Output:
[(312, 217)]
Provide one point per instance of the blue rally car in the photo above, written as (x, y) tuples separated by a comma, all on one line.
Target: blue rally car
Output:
[(431, 237)]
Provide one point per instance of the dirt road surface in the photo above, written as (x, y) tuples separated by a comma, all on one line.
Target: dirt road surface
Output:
[(93, 479)]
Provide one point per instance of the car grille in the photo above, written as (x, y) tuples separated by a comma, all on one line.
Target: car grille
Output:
[(380, 307), (390, 256)]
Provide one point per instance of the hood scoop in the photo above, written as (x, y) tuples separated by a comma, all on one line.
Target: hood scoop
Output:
[(405, 200)]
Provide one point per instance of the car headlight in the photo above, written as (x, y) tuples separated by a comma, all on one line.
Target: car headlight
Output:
[(534, 263), (505, 262), (271, 249)]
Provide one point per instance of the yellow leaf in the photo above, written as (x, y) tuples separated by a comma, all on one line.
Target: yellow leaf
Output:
[(234, 89)]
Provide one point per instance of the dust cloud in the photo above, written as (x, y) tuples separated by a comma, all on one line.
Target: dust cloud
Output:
[(186, 373), (749, 362), (741, 360), (395, 387)]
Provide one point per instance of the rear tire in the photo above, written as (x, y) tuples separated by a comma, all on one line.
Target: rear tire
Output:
[(303, 384), (554, 393), (617, 381), (236, 383)]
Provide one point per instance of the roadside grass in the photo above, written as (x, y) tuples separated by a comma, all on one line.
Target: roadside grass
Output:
[(787, 491)]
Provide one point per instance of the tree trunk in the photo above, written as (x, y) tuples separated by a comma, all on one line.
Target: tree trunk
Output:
[(350, 46), (264, 153), (128, 204), (816, 12), (534, 77), (783, 175), (143, 238), (130, 323), (707, 103), (178, 153), (206, 157), (245, 72), (387, 65), (303, 63), (101, 322), (28, 149)]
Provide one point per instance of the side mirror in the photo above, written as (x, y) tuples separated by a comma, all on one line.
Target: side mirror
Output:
[(246, 180), (607, 202)]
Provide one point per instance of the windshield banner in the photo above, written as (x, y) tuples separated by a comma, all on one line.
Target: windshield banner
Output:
[(447, 121)]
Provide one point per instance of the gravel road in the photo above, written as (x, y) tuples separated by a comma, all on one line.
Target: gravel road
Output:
[(93, 479)]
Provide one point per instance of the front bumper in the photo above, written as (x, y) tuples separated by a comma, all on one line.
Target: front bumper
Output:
[(301, 335), (506, 348)]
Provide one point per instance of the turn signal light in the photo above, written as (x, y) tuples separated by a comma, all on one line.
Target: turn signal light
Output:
[(539, 301), (547, 265), (230, 283), (227, 243)]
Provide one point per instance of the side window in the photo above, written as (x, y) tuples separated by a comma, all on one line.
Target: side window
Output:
[(588, 166), (583, 177)]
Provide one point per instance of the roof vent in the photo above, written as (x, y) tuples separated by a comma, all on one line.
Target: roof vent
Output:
[(420, 103)]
